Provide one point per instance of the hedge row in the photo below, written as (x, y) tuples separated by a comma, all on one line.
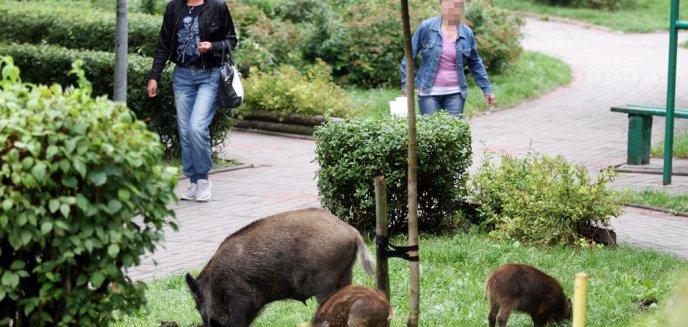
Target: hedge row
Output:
[(75, 28), (47, 64)]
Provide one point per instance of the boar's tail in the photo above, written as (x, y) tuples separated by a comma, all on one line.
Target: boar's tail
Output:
[(364, 255)]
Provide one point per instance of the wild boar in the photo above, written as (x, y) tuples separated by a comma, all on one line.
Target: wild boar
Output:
[(290, 255), (354, 306), (525, 289)]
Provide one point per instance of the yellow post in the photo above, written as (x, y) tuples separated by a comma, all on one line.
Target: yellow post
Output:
[(580, 299), (303, 324)]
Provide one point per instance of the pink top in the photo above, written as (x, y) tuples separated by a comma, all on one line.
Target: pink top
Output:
[(447, 71)]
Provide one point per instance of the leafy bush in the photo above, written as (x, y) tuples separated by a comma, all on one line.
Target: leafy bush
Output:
[(290, 91), (353, 153), (75, 28), (48, 64), (541, 199), (83, 198), (594, 4), (371, 35)]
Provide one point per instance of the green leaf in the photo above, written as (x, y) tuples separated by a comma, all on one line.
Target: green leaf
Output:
[(113, 250), (51, 151), (7, 204), (97, 279), (10, 279), (82, 202), (64, 209), (53, 205), (39, 172), (80, 167), (46, 227), (114, 206), (98, 178), (123, 195), (89, 245), (2, 296), (18, 265)]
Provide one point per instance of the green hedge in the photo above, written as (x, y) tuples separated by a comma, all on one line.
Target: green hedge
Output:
[(353, 153), (84, 197), (75, 28), (540, 199), (46, 64)]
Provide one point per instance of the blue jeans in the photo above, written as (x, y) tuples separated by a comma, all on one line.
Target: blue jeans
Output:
[(195, 96), (452, 103)]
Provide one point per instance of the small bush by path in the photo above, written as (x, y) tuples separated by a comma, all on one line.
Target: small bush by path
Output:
[(634, 16), (532, 75), (680, 150), (453, 273)]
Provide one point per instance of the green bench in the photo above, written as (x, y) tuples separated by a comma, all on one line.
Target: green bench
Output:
[(640, 129)]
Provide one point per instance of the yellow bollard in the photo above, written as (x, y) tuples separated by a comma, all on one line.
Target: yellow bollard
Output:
[(303, 324), (580, 299)]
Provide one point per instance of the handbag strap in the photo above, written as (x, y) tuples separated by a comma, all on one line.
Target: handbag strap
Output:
[(230, 54)]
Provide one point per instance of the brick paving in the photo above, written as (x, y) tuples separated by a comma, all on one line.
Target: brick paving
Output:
[(609, 68)]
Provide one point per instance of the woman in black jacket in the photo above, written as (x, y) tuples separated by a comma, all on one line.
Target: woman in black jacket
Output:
[(193, 35)]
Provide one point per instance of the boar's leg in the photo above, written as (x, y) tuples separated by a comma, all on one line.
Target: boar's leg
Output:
[(539, 320), (242, 313), (492, 315), (504, 313)]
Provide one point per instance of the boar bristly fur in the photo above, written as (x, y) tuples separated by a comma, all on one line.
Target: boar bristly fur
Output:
[(523, 288), (354, 306), (291, 255)]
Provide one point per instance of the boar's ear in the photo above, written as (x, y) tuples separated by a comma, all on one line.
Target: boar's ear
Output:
[(193, 286)]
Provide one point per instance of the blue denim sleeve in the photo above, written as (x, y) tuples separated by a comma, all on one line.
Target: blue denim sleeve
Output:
[(414, 50), (475, 64)]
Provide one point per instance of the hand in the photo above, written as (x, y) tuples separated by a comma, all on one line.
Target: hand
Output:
[(204, 47), (152, 88), (490, 100)]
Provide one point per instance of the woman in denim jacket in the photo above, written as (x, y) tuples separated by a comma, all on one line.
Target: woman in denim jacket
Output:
[(446, 46)]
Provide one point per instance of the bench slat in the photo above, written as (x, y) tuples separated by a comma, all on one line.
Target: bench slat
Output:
[(649, 110)]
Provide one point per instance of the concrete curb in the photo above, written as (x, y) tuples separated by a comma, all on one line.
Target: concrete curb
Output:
[(223, 169)]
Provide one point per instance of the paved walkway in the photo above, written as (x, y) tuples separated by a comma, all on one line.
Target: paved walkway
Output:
[(573, 121)]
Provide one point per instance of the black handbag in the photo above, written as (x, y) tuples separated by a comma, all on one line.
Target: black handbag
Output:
[(230, 92)]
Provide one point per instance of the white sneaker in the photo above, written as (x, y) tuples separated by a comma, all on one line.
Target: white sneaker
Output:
[(203, 194), (190, 193)]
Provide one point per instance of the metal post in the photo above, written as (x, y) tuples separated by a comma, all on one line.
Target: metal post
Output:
[(121, 49), (671, 94), (580, 299), (382, 268), (414, 282)]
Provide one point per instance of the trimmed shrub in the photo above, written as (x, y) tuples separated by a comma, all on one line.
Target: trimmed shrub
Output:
[(46, 64), (289, 91), (75, 28), (83, 198), (353, 153), (540, 199)]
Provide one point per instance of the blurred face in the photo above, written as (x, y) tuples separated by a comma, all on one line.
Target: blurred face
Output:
[(452, 9)]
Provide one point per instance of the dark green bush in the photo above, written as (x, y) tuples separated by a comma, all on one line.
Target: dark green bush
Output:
[(540, 199), (48, 64), (353, 153), (289, 91), (75, 28), (83, 197), (363, 40)]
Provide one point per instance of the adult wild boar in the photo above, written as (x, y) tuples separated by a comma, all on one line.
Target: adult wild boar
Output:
[(290, 255), (526, 289), (354, 305)]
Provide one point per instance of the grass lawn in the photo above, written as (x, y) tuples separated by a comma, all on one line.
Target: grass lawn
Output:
[(645, 16), (680, 146), (453, 273), (657, 199), (533, 75)]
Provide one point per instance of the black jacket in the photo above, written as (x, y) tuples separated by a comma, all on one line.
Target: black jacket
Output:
[(215, 25)]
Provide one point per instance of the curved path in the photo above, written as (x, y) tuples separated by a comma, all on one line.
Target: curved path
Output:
[(573, 121)]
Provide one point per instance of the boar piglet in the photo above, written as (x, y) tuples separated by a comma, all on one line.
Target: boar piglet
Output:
[(354, 306), (525, 289), (292, 255)]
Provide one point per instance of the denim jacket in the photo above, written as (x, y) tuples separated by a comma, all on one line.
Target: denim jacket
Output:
[(428, 41)]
